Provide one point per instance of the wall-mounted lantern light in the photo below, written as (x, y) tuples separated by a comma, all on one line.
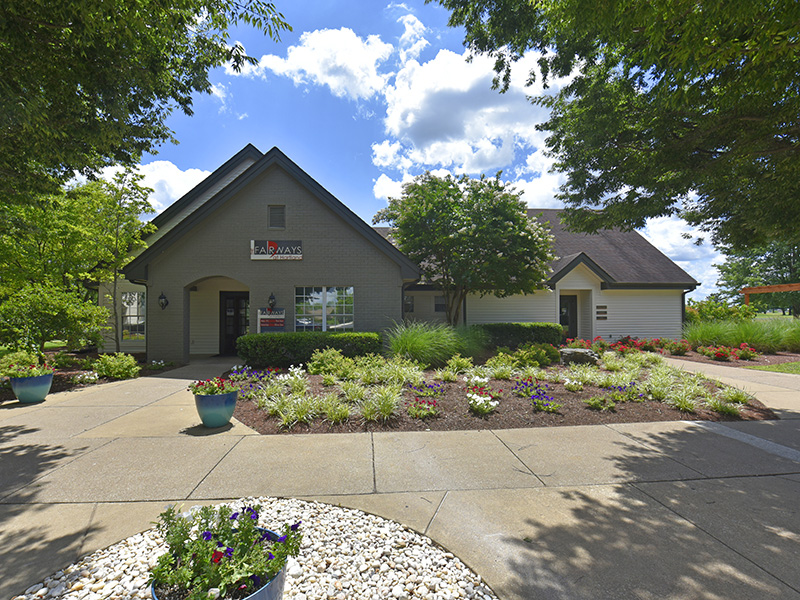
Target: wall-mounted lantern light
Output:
[(162, 301), (271, 301)]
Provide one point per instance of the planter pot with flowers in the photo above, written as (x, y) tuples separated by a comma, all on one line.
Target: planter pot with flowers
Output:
[(31, 383), (215, 400), (218, 553)]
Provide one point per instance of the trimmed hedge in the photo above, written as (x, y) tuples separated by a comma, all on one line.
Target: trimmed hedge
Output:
[(514, 335), (260, 350)]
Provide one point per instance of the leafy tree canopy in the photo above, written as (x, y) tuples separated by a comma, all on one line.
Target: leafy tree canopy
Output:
[(773, 264), (89, 83), (65, 238), (681, 107), (469, 236)]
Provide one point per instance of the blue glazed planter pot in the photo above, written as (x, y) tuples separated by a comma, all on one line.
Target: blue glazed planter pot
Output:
[(216, 410), (32, 389), (272, 590)]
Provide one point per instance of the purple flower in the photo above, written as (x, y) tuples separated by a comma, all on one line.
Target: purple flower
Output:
[(256, 580), (281, 539), (207, 535), (234, 516), (228, 552), (270, 556), (296, 525)]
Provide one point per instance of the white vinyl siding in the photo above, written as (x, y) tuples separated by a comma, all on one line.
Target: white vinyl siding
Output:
[(424, 307), (204, 313), (126, 345), (640, 313), (539, 307)]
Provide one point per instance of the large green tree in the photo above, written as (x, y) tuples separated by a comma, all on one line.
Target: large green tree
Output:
[(469, 236), (681, 107), (773, 264), (90, 83)]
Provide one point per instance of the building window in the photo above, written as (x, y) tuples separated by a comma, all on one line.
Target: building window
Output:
[(276, 216), (408, 304), (133, 315), (323, 308), (439, 304)]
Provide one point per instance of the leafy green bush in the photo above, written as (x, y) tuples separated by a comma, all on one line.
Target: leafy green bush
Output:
[(704, 311), (38, 313), (116, 366), (514, 335), (261, 350)]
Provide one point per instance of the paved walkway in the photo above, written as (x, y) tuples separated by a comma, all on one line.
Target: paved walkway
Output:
[(652, 510)]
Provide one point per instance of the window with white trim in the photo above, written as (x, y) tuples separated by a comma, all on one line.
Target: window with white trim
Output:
[(323, 308), (133, 315), (439, 304)]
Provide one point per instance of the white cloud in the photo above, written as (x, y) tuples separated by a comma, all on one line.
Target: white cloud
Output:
[(167, 181), (668, 234), (412, 42), (445, 113), (337, 58), (220, 92), (385, 187)]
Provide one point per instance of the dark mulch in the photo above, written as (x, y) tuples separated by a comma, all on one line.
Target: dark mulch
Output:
[(512, 412), (63, 379), (764, 359)]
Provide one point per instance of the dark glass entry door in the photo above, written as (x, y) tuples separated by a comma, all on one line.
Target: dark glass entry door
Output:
[(568, 315), (234, 319)]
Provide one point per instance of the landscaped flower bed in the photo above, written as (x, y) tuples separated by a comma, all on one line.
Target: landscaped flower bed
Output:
[(377, 394)]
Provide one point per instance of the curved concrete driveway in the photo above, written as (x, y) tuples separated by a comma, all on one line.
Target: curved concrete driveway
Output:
[(653, 510)]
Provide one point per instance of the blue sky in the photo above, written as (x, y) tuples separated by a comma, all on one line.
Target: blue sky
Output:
[(364, 99)]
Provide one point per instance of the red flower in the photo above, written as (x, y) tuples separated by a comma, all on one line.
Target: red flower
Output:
[(217, 556)]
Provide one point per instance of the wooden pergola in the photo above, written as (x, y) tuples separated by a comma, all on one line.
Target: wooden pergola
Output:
[(768, 289)]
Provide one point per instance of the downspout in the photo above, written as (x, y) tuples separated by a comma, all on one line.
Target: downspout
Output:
[(464, 310)]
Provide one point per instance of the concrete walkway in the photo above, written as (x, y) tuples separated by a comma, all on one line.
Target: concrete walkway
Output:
[(652, 510)]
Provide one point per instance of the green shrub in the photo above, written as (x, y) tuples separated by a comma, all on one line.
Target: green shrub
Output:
[(705, 311), (261, 350), (514, 335), (39, 312), (116, 366), (61, 360)]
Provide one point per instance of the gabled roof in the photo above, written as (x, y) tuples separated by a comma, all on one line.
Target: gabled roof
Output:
[(621, 259), (204, 199)]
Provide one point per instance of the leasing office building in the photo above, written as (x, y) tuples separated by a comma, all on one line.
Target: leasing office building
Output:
[(260, 246)]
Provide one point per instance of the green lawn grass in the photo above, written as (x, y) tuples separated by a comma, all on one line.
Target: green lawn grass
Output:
[(792, 367)]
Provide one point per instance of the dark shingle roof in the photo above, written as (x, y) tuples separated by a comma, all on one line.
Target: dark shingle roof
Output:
[(623, 258)]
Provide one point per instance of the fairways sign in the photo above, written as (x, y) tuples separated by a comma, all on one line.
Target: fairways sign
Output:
[(276, 250)]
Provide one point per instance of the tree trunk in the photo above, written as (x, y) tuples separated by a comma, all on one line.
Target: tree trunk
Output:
[(796, 311), (115, 312)]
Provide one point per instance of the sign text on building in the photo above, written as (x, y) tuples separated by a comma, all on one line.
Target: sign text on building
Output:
[(276, 250)]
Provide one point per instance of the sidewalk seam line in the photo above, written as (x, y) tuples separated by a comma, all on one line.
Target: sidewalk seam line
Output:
[(655, 449), (435, 513), (715, 538), (374, 468), (514, 454), (88, 527), (223, 457)]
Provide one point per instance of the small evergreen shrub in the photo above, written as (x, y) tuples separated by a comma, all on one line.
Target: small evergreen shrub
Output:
[(116, 366), (261, 350), (515, 335)]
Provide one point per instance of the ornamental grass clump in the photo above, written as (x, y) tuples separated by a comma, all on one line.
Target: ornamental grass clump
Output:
[(216, 552)]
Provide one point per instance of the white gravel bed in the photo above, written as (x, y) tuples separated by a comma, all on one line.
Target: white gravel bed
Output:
[(346, 554)]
